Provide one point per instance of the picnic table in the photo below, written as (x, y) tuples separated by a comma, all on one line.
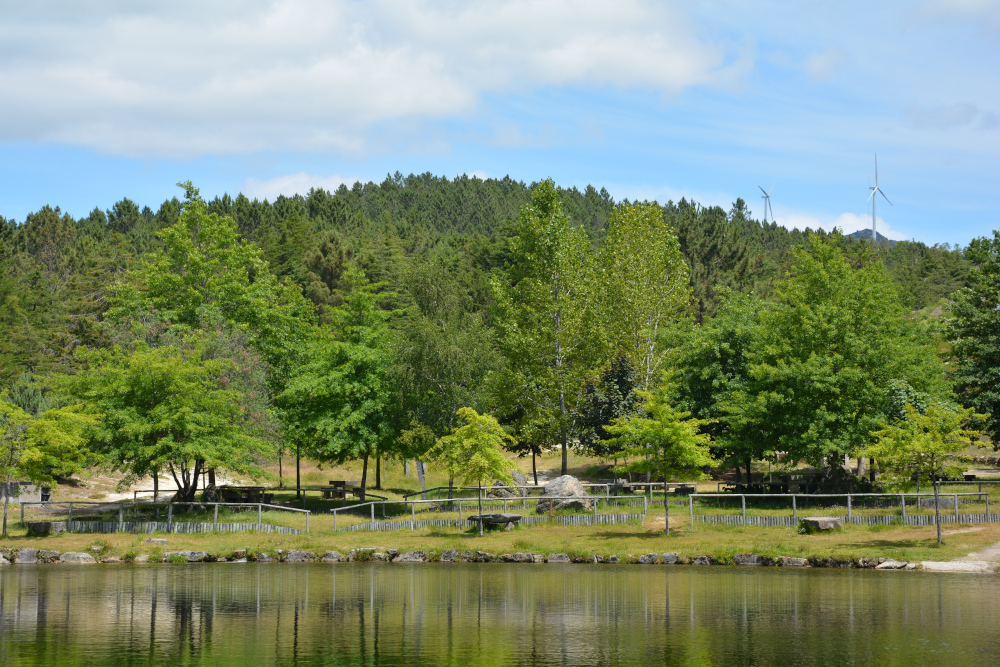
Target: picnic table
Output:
[(245, 494), (339, 489)]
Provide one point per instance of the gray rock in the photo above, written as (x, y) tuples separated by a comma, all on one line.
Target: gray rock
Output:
[(333, 557), (45, 528), (612, 559), (891, 564), (378, 557), (391, 553), (111, 560), (702, 560), (48, 555), (97, 548), (265, 558), (3, 560), (77, 557), (565, 492), (559, 558), (647, 559), (297, 556), (520, 479), (596, 559), (670, 558), (449, 556), (141, 558), (792, 561), (517, 557), (944, 502), (189, 556), (501, 490), (412, 557), (495, 520), (484, 557), (751, 560), (26, 556), (160, 541), (813, 524), (238, 554), (537, 558)]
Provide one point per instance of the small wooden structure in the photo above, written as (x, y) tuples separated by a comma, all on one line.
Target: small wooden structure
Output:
[(340, 489), (245, 494)]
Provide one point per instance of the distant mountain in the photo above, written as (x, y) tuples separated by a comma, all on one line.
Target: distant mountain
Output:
[(866, 234)]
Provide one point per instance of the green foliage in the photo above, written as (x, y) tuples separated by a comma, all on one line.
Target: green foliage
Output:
[(975, 334), (13, 441), (613, 397), (473, 452), (164, 409)]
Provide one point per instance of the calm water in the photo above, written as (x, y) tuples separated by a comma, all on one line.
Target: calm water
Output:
[(361, 614)]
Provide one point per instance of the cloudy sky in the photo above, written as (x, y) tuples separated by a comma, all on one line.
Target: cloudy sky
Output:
[(652, 100)]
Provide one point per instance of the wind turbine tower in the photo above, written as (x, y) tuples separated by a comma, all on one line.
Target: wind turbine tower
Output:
[(876, 190), (767, 202)]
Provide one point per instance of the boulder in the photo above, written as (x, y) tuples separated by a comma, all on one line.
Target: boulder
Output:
[(297, 556), (449, 556), (26, 556), (333, 557), (411, 557), (671, 558), (944, 502), (45, 528), (596, 559), (559, 558), (565, 492), (495, 520), (484, 557), (111, 560), (612, 559), (159, 541), (189, 556), (501, 490), (647, 559), (537, 558), (391, 553), (792, 561), (816, 524), (3, 560), (702, 560), (517, 557), (48, 555), (265, 558), (891, 564), (751, 560), (77, 557), (520, 479), (141, 558)]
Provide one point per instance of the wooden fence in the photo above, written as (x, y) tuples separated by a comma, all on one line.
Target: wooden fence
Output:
[(863, 520), (563, 520)]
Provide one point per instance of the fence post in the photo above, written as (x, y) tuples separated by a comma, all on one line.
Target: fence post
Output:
[(121, 517), (848, 506), (22, 515), (987, 508), (215, 518), (170, 517), (690, 507), (645, 505), (902, 503), (459, 510), (795, 510), (504, 505), (413, 516), (373, 514), (335, 521), (956, 508), (307, 521), (259, 518), (744, 501)]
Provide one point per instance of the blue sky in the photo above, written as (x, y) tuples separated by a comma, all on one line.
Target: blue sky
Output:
[(652, 100)]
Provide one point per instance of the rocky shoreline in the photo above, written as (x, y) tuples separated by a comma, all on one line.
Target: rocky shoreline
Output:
[(32, 556)]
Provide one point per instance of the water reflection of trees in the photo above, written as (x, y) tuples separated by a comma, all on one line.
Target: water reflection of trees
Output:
[(463, 615)]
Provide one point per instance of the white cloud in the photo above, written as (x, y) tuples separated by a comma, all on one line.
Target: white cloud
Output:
[(293, 184), (822, 65), (846, 222), (187, 78)]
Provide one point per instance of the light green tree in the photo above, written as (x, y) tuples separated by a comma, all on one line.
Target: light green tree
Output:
[(664, 441), (164, 409), (13, 442), (924, 447), (339, 399), (644, 286), (474, 452), (543, 312)]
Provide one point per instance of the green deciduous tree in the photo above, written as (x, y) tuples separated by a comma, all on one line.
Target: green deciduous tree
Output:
[(923, 447), (664, 441), (644, 286), (338, 401), (543, 307), (165, 409), (13, 442), (819, 381), (975, 334), (474, 452)]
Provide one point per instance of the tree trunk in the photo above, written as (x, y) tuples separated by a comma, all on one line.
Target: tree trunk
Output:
[(739, 475), (534, 470), (420, 476), (749, 472), (406, 468), (378, 472), (562, 432), (871, 471), (451, 487), (480, 496), (666, 507), (364, 479), (5, 488), (937, 508), (156, 493), (298, 469), (211, 477)]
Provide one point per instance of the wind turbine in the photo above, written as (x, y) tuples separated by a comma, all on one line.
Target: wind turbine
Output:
[(874, 200), (767, 201)]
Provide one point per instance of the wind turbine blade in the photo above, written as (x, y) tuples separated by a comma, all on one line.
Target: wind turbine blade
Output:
[(883, 196), (762, 190), (873, 194), (772, 188)]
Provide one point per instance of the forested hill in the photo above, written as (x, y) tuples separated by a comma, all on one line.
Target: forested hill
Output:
[(408, 232)]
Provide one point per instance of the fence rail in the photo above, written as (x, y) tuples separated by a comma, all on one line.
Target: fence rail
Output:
[(562, 520), (883, 520)]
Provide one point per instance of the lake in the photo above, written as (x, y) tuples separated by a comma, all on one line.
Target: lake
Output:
[(492, 614)]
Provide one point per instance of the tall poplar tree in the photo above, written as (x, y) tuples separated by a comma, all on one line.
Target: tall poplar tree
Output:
[(543, 311)]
